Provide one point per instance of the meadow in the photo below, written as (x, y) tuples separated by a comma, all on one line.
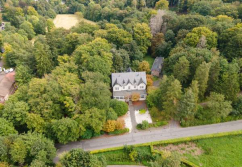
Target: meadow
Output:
[(68, 21)]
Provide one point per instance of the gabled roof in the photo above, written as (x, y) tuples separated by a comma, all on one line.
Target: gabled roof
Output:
[(6, 83), (134, 78), (157, 65)]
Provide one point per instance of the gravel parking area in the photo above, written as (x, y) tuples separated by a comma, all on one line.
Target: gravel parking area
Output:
[(141, 117), (127, 120)]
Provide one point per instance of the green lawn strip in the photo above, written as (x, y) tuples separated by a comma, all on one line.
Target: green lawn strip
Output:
[(149, 59), (223, 151)]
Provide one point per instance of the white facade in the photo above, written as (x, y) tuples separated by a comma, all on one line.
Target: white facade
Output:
[(125, 84), (141, 86)]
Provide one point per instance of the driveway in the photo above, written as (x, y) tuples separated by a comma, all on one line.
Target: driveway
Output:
[(171, 132)]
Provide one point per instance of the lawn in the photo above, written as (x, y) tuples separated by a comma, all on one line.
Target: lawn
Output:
[(68, 20), (149, 59), (219, 152)]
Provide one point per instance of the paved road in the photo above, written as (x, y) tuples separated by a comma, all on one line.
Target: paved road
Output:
[(171, 132)]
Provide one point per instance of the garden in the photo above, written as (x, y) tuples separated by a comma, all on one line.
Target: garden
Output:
[(221, 149)]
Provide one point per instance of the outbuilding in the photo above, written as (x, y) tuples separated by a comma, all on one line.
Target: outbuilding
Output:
[(157, 66)]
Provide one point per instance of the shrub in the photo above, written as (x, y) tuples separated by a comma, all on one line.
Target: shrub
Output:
[(142, 111), (158, 124), (154, 112), (135, 97), (119, 107), (133, 155), (145, 125), (87, 134), (111, 114), (128, 149), (149, 80), (109, 126), (120, 124), (118, 132)]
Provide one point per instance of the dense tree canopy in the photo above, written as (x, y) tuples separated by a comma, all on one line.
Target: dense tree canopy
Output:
[(63, 75)]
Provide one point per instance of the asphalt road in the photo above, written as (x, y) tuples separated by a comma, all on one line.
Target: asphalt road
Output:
[(171, 132)]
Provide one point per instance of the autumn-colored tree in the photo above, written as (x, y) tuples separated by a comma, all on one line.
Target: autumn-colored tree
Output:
[(144, 66), (149, 79), (120, 124), (162, 4), (109, 126), (135, 97)]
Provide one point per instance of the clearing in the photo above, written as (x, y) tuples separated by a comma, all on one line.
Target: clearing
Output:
[(67, 21)]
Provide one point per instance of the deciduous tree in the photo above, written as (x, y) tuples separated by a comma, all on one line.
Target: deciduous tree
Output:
[(142, 35)]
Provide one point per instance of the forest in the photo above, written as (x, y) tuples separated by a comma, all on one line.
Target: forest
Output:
[(63, 76)]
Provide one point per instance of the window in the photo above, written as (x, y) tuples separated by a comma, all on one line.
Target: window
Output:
[(117, 97), (142, 96), (129, 87), (123, 87), (141, 87), (135, 87), (121, 97), (117, 88)]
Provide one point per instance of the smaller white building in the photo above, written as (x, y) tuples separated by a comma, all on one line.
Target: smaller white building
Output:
[(127, 83)]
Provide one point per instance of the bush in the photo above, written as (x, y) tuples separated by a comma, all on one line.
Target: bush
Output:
[(109, 126), (119, 107), (142, 111), (120, 124), (135, 97), (145, 125), (158, 124), (120, 131), (154, 112), (111, 114), (149, 80), (87, 134)]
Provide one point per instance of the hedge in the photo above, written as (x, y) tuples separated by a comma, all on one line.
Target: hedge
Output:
[(179, 140)]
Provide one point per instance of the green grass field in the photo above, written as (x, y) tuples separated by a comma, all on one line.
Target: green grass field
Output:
[(219, 152), (149, 59)]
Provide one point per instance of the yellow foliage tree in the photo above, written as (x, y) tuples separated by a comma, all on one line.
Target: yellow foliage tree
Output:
[(149, 80), (120, 124), (144, 66), (135, 97), (162, 4), (109, 126)]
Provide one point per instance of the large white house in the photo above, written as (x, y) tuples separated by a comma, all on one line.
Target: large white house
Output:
[(127, 83)]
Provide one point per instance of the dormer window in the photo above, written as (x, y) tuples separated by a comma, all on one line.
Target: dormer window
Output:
[(123, 87), (141, 87), (129, 87), (135, 87), (117, 88)]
